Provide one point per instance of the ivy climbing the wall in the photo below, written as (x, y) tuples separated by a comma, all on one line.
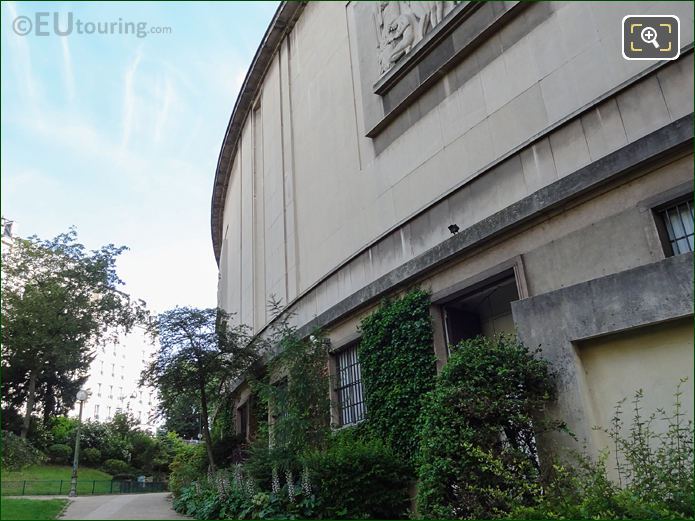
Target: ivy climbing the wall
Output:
[(398, 367)]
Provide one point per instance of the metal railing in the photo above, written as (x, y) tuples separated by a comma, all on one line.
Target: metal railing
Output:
[(60, 487)]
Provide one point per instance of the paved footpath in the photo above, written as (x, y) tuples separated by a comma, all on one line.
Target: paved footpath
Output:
[(123, 506)]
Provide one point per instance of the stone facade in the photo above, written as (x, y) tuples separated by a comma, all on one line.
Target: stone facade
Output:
[(364, 130)]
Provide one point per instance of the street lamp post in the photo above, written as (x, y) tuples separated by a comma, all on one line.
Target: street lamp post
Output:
[(81, 397)]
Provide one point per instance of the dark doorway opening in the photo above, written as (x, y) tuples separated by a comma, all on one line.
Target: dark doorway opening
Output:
[(484, 309)]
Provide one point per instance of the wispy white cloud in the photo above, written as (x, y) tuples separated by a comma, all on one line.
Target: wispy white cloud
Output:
[(167, 96), (129, 97), (98, 167), (20, 57), (168, 234), (68, 74)]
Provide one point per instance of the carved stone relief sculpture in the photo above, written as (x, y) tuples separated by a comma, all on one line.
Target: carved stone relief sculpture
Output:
[(401, 25)]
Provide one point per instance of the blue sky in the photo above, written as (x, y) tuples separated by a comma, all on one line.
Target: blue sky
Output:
[(119, 135)]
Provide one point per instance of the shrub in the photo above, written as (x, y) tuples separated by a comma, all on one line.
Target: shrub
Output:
[(168, 446), (110, 438), (100, 436), (263, 459), (237, 496), (655, 473), (116, 466), (477, 455), (123, 477), (60, 453), (114, 439), (656, 465), (197, 502), (358, 479), (189, 464), (351, 478), (63, 430), (145, 449), (398, 367), (18, 453), (91, 456)]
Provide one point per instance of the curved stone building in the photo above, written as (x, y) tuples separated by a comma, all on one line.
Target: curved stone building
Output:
[(503, 155)]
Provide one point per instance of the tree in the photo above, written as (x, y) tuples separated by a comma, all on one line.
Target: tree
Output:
[(199, 347), (59, 301), (180, 412)]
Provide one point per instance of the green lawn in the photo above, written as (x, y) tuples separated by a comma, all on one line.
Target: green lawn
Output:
[(53, 472), (53, 479), (31, 508)]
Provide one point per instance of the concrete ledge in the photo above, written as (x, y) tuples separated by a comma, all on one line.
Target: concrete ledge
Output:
[(639, 154), (649, 294), (644, 295)]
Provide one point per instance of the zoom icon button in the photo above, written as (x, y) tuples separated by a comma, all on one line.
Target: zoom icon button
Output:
[(651, 37)]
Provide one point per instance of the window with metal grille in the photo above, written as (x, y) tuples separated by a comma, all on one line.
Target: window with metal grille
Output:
[(351, 404), (678, 221)]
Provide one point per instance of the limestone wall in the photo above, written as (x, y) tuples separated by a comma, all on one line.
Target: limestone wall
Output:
[(316, 210)]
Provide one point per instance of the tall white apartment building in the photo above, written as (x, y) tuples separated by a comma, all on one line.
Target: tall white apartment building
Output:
[(113, 381), (8, 233)]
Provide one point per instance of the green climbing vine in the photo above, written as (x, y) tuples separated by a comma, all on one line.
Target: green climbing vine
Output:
[(398, 367)]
